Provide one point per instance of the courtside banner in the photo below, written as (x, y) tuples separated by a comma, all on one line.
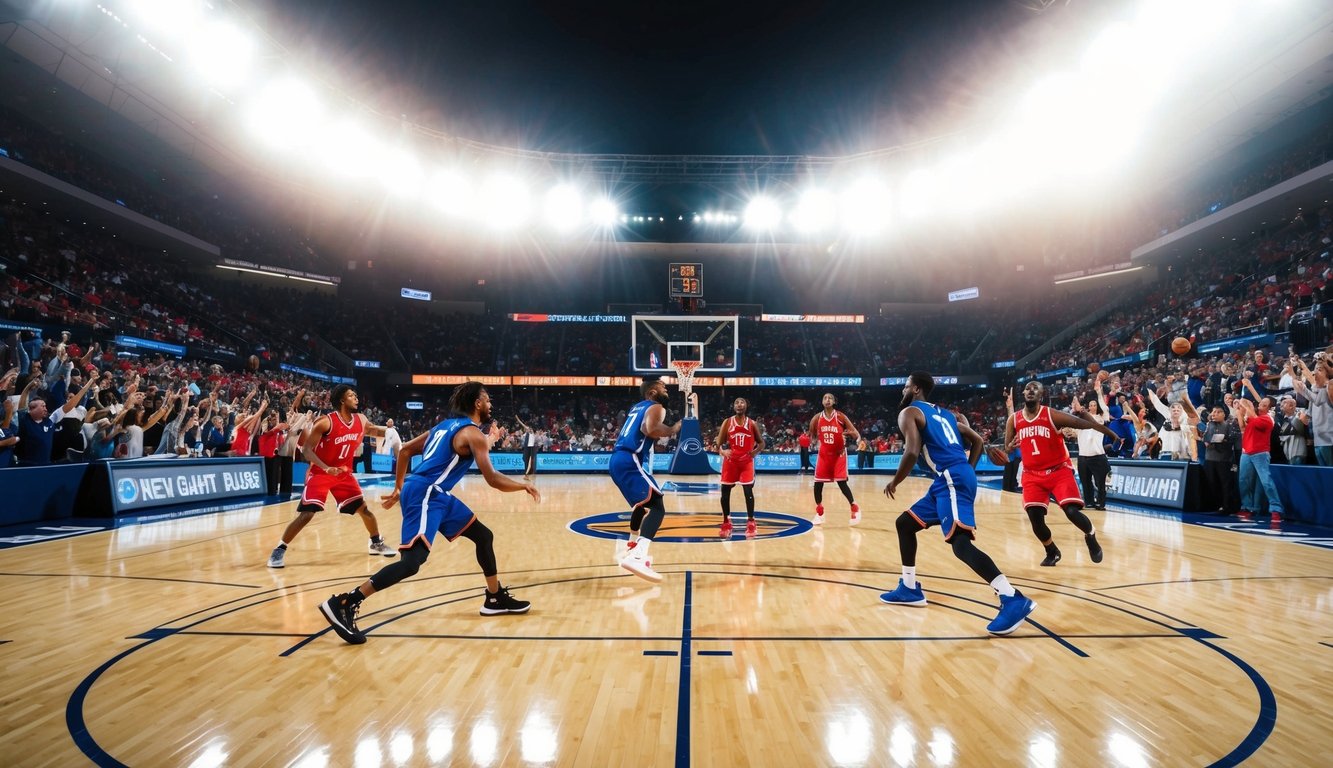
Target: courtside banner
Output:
[(145, 483), (600, 461), (1160, 483)]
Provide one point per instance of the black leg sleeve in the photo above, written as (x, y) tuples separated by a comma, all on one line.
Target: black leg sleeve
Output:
[(978, 561), (908, 527), (407, 565), (653, 519), (846, 491), (480, 535)]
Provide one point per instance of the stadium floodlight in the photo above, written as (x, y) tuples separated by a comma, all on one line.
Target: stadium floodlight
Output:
[(504, 202), (816, 211), (346, 149), (762, 213), (400, 172), (174, 18), (866, 207), (564, 207), (222, 55), (451, 192), (284, 114), (604, 212), (919, 194)]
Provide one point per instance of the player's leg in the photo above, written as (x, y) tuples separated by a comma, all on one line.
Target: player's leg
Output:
[(724, 530), (956, 508), (638, 560), (498, 600), (347, 493), (1065, 491), (317, 487), (819, 501), (908, 525), (1036, 494)]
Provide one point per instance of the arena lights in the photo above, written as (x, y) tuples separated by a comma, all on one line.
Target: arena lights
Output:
[(505, 202), (816, 211), (866, 207), (451, 192), (603, 212), (284, 114), (401, 173), (222, 55), (171, 17), (346, 149), (563, 208), (762, 214)]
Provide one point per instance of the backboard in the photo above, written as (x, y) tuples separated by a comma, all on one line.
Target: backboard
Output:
[(656, 340)]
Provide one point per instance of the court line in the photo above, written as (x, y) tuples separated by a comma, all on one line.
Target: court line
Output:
[(1206, 581), (132, 578), (1263, 724), (660, 653), (683, 688), (1321, 642)]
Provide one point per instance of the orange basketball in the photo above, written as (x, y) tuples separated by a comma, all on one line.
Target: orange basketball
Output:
[(1103, 375), (1094, 367), (1181, 345)]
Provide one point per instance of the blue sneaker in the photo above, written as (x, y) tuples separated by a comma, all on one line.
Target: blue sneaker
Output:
[(1012, 612), (904, 596)]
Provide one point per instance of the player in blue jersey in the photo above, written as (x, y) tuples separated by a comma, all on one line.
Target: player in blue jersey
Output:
[(933, 434), (631, 464), (447, 451)]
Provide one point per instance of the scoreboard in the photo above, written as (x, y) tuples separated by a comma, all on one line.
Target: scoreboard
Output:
[(686, 281)]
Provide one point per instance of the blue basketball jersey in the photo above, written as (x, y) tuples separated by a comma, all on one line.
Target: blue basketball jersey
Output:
[(941, 445), (632, 438), (440, 465)]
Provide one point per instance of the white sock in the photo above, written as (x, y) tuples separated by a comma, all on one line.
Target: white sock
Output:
[(641, 549), (1002, 587), (909, 577), (633, 536), (1093, 532)]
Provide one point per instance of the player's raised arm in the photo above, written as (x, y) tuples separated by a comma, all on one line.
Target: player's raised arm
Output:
[(374, 430), (654, 423)]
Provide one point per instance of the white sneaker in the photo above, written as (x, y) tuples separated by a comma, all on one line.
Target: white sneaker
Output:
[(640, 566), (382, 548), (275, 560)]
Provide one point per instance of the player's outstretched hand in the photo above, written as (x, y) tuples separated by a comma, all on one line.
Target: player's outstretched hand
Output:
[(891, 487), (534, 493), (388, 501)]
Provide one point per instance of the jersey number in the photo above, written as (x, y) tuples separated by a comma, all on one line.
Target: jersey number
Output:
[(947, 428), (1035, 452), (434, 443), (345, 450)]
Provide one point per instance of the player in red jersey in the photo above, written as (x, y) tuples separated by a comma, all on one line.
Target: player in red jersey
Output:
[(826, 430), (739, 440), (330, 448), (1047, 469)]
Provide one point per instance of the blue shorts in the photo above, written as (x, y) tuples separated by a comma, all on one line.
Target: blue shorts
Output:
[(427, 509), (633, 480), (949, 501)]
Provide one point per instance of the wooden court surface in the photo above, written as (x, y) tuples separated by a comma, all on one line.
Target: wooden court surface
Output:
[(171, 643)]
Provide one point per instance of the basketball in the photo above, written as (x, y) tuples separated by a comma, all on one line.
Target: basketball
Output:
[(1103, 375), (253, 363), (1094, 367), (1181, 345)]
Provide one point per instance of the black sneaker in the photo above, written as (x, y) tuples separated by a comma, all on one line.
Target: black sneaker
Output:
[(1094, 549), (340, 612), (1052, 556), (503, 602)]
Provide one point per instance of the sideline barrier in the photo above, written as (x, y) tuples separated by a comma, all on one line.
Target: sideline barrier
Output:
[(1173, 484), (113, 488), (599, 461), (33, 494), (1307, 492)]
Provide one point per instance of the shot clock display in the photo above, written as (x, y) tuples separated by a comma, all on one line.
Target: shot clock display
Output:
[(687, 281)]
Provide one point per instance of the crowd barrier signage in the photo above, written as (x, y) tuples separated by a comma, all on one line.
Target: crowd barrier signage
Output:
[(135, 342), (1159, 483), (145, 483)]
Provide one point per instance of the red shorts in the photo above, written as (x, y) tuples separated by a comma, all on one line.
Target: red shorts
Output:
[(830, 469), (1039, 486), (344, 487), (736, 470)]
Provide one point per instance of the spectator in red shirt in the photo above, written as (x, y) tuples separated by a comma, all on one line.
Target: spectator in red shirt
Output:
[(1257, 432)]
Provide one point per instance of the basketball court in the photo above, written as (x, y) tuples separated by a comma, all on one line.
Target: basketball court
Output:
[(171, 643)]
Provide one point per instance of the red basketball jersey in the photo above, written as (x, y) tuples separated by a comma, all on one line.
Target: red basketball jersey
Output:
[(337, 448), (831, 442), (740, 436), (1040, 443)]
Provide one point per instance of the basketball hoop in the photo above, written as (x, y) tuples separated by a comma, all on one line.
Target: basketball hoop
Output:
[(685, 374)]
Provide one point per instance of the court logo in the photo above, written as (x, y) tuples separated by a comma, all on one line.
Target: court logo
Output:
[(689, 527), (127, 491), (691, 446)]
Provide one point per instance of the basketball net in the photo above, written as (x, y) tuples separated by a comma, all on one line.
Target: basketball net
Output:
[(685, 380)]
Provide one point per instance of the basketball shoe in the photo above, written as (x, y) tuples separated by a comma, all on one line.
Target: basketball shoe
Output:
[(819, 515), (1094, 549), (1053, 555), (501, 602), (382, 548), (902, 595), (751, 529), (724, 530), (636, 562), (340, 612), (275, 560), (1013, 610), (856, 515)]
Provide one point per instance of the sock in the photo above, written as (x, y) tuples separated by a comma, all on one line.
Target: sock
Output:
[(633, 537), (282, 545), (355, 596), (1002, 587), (909, 577), (376, 540), (641, 549)]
